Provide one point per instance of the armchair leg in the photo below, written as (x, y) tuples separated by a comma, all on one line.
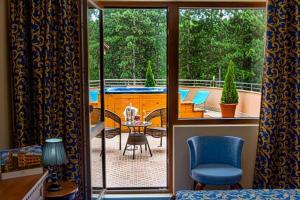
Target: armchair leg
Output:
[(194, 185), (236, 186), (198, 186), (125, 149), (160, 140)]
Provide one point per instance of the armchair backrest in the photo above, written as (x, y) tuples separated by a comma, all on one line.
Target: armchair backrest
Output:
[(113, 116), (96, 114), (215, 149), (161, 112)]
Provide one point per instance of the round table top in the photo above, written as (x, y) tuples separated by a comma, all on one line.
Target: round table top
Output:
[(137, 124)]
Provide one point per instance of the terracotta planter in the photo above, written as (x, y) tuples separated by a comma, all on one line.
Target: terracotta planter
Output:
[(228, 110)]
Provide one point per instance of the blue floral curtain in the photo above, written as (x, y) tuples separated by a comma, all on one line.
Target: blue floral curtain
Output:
[(278, 153), (46, 75)]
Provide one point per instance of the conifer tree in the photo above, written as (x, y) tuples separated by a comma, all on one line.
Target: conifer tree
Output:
[(150, 81), (230, 93)]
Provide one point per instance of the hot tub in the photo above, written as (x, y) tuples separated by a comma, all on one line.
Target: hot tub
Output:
[(94, 93), (135, 90)]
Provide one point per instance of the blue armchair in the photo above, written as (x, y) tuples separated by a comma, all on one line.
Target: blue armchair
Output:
[(215, 160)]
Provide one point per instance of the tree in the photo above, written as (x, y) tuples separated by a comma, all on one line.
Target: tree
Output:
[(229, 93), (150, 81), (93, 45), (209, 39), (135, 36)]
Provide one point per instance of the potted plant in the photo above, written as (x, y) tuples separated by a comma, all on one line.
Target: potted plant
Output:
[(230, 97), (150, 81)]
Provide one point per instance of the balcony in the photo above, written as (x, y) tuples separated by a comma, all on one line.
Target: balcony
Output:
[(146, 171), (249, 95)]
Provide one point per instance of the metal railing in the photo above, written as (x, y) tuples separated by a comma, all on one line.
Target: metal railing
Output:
[(254, 87)]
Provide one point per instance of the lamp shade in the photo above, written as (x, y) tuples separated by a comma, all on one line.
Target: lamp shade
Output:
[(54, 152)]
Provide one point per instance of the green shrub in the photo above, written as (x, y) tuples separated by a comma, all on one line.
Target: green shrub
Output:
[(150, 81), (230, 93)]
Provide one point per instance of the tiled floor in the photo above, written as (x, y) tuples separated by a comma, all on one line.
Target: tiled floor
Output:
[(123, 171)]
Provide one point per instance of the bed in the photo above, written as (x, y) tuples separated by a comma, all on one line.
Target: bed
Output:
[(239, 194)]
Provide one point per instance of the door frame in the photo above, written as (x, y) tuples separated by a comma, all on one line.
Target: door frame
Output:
[(173, 65)]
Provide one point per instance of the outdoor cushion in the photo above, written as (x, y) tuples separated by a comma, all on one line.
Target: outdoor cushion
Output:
[(200, 97), (183, 93)]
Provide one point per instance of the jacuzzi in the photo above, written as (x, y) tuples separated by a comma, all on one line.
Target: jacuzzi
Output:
[(135, 90), (94, 93)]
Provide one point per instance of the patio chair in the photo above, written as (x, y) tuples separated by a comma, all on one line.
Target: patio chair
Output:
[(157, 132), (110, 132), (200, 98), (215, 160)]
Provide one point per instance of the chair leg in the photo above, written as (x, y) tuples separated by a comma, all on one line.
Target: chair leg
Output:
[(194, 185), (239, 186), (141, 148), (125, 149), (160, 140), (201, 186), (149, 149), (133, 151), (236, 186), (120, 145)]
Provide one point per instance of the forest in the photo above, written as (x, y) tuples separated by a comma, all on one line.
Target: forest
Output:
[(208, 40)]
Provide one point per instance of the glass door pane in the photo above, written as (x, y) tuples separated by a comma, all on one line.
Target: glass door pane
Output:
[(135, 75), (94, 17), (214, 44)]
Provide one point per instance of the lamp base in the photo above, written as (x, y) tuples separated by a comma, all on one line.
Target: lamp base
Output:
[(54, 187)]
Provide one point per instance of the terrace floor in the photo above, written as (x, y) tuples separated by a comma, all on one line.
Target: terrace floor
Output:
[(123, 171)]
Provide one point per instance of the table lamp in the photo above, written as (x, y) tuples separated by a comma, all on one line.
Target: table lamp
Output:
[(54, 155)]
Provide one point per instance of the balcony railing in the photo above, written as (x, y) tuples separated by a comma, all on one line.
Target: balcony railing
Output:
[(254, 87)]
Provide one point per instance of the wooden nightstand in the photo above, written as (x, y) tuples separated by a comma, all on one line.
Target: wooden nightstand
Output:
[(68, 191), (25, 188)]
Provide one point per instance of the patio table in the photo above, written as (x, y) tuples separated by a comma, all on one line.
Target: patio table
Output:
[(136, 137)]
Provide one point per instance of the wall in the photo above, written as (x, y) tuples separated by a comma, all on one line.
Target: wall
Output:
[(249, 102), (181, 176), (5, 117)]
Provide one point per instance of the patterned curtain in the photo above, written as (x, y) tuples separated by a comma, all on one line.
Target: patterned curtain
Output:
[(278, 154), (46, 75)]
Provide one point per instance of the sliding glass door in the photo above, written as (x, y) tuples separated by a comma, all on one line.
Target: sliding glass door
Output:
[(96, 97), (129, 48), (135, 69)]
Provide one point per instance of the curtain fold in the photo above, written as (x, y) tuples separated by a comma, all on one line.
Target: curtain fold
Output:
[(46, 75), (278, 150)]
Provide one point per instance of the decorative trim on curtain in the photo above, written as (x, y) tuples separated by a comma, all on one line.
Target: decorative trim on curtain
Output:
[(278, 153), (46, 74)]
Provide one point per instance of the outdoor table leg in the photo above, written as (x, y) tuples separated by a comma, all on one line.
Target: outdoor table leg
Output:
[(146, 137), (127, 141), (133, 142)]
